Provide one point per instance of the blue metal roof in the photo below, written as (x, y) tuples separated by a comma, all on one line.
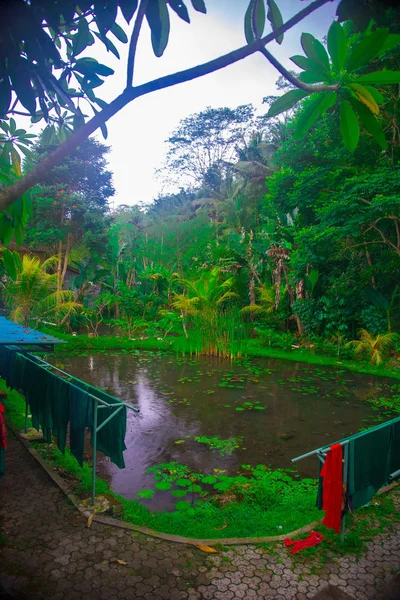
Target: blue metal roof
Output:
[(12, 334)]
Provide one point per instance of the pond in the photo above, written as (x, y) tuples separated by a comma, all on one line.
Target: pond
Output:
[(275, 410)]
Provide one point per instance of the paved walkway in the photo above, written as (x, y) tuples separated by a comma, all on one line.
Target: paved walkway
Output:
[(49, 553)]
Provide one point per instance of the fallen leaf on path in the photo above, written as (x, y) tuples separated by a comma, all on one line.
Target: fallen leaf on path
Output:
[(90, 519), (207, 549), (119, 561)]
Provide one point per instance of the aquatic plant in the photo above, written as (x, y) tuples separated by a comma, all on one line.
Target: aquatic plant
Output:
[(223, 447)]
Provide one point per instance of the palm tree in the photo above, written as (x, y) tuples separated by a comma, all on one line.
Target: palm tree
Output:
[(376, 348), (206, 295), (204, 301), (266, 302), (31, 290)]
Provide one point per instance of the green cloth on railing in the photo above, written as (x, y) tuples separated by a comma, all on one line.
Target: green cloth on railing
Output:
[(369, 456), (394, 463), (111, 438), (54, 403), (58, 398), (80, 417)]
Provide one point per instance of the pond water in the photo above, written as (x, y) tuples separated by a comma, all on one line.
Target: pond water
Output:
[(280, 409)]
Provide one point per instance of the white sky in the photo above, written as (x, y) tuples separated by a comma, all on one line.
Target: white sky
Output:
[(137, 134)]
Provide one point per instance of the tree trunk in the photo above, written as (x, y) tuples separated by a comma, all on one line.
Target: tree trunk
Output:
[(59, 266), (65, 262)]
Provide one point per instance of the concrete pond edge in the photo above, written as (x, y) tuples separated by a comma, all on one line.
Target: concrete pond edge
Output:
[(180, 539)]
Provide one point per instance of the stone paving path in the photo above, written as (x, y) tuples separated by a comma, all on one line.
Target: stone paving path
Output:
[(49, 553)]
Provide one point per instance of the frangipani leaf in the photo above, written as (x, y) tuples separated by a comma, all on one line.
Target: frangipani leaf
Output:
[(370, 123), (380, 77), (337, 46), (275, 18), (365, 97), (369, 47), (318, 104), (349, 126), (286, 102)]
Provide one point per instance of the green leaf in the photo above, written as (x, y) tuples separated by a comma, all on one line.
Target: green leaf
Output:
[(163, 485), (337, 46), (309, 65), (366, 50), (106, 13), (392, 40), (90, 67), (199, 6), (195, 488), (349, 126), (104, 131), (259, 18), (22, 86), (209, 479), (183, 482), (248, 26), (158, 19), (315, 51), (310, 77), (5, 96), (119, 33), (318, 104), (182, 505), (145, 493), (48, 135), (179, 7), (365, 97), (377, 96), (82, 38), (275, 18), (370, 123), (28, 153), (128, 8), (286, 102), (10, 263), (380, 77), (254, 20)]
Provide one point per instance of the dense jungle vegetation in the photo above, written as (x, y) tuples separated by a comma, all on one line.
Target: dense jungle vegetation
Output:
[(272, 240)]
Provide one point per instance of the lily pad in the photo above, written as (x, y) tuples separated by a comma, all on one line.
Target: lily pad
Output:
[(209, 479), (183, 482), (146, 493), (163, 485)]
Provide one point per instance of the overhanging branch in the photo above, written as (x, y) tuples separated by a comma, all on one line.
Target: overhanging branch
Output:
[(292, 79), (36, 174)]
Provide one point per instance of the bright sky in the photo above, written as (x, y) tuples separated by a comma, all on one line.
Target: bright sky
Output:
[(137, 134)]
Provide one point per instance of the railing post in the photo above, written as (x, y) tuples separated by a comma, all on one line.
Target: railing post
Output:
[(94, 451)]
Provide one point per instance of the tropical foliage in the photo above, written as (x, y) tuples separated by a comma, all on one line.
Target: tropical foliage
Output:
[(284, 238), (31, 291)]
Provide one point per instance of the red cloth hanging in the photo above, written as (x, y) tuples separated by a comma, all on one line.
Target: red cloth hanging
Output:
[(332, 472), (3, 431), (313, 539)]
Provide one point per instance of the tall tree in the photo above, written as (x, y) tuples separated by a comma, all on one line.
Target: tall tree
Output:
[(71, 207)]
